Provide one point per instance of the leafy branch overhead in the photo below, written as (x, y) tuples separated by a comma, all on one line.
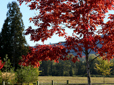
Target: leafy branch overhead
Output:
[(80, 15)]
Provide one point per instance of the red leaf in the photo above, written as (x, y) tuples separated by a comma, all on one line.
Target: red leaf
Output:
[(82, 17)]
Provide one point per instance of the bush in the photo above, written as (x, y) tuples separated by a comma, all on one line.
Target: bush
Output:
[(8, 71), (7, 67), (27, 74), (9, 76)]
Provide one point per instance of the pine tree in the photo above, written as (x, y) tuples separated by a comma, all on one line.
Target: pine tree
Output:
[(0, 45), (12, 37)]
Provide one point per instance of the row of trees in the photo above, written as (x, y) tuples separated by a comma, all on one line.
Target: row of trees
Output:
[(12, 39), (68, 68)]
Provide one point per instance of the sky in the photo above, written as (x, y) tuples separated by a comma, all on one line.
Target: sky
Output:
[(27, 13)]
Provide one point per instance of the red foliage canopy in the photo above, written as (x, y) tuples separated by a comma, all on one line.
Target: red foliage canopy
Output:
[(1, 64), (80, 15)]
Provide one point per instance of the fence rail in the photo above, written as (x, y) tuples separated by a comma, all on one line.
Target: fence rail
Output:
[(67, 83)]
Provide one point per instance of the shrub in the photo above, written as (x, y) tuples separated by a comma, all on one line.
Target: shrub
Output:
[(27, 74), (9, 76), (7, 65)]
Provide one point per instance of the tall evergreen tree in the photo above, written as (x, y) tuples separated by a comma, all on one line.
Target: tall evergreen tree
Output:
[(0, 44), (13, 41)]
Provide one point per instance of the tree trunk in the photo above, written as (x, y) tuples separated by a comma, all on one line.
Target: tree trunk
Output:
[(88, 68), (104, 79), (14, 60), (14, 50)]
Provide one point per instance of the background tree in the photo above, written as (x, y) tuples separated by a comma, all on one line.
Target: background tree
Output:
[(82, 16), (6, 40), (112, 70), (13, 41), (46, 68), (0, 44), (92, 65), (103, 67)]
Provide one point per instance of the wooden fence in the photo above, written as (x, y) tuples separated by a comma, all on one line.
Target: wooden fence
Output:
[(67, 83)]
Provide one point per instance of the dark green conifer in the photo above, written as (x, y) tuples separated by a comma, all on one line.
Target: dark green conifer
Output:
[(12, 40)]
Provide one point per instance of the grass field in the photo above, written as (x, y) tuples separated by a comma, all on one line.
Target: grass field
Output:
[(63, 79)]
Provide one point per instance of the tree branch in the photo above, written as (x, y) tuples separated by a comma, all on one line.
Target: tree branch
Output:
[(93, 59), (97, 43), (83, 51), (90, 51)]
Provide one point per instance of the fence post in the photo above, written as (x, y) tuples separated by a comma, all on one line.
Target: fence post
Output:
[(52, 82), (67, 81), (37, 82), (3, 82)]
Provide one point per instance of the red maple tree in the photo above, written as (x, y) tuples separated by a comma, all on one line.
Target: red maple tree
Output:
[(80, 15), (1, 64)]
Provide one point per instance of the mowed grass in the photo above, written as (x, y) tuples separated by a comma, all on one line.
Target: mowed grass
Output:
[(63, 79)]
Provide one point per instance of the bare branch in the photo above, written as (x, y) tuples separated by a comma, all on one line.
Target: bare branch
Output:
[(89, 51), (94, 58)]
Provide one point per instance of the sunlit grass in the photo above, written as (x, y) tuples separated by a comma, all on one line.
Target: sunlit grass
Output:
[(63, 79)]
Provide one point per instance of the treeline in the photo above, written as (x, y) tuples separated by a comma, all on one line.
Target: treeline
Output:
[(68, 68)]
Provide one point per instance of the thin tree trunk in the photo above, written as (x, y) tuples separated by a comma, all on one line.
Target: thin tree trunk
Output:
[(104, 79), (88, 68), (14, 49), (14, 60)]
